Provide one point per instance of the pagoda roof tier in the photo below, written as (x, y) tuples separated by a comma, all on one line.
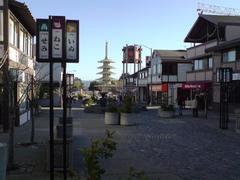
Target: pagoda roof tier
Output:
[(105, 79), (106, 66), (106, 61), (106, 72)]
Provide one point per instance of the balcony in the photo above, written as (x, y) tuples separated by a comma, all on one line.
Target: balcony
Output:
[(199, 50), (204, 75)]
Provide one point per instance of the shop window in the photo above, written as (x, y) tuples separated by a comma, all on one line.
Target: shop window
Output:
[(229, 56)]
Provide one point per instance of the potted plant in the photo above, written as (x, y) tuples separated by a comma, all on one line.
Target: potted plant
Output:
[(111, 115), (166, 110), (126, 118)]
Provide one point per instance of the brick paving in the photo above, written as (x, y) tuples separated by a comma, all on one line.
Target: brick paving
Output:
[(168, 149)]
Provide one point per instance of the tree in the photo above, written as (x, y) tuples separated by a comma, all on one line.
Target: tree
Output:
[(92, 85), (78, 84)]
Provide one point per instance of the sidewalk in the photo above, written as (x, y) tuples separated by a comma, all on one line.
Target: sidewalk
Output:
[(32, 159)]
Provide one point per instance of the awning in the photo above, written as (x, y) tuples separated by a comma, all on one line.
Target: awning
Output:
[(159, 87)]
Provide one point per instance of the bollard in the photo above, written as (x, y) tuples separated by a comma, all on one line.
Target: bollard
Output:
[(3, 160)]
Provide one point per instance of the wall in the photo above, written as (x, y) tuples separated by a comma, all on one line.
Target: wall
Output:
[(182, 69), (232, 32)]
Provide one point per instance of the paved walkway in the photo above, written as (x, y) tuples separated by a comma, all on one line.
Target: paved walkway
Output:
[(169, 149)]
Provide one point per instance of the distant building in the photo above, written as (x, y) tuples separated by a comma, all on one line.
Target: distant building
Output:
[(106, 82)]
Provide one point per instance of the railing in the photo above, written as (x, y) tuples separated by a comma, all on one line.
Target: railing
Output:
[(4, 58)]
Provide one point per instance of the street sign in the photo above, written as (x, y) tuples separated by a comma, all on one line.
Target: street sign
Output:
[(72, 41), (58, 38), (42, 52)]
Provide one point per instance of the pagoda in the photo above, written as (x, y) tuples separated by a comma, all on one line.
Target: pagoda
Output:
[(106, 82)]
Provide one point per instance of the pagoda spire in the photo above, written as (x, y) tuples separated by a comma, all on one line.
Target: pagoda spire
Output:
[(106, 50)]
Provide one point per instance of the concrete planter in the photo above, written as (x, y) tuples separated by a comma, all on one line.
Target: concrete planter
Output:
[(166, 114), (3, 160), (58, 155), (69, 130), (68, 121), (111, 118), (127, 119), (237, 112)]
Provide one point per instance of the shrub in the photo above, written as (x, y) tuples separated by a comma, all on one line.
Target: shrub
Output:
[(169, 107), (127, 106), (99, 149)]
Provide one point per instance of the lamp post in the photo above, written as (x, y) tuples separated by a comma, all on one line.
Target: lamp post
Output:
[(69, 79), (151, 66)]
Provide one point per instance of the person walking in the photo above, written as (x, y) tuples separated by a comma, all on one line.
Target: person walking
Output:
[(195, 107)]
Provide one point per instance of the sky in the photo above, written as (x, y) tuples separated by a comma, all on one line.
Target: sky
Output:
[(158, 24)]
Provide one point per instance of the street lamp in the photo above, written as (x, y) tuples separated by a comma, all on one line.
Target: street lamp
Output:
[(151, 66)]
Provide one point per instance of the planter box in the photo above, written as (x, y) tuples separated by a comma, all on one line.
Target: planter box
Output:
[(111, 118), (166, 114), (68, 121), (127, 119), (237, 112), (69, 130), (58, 155)]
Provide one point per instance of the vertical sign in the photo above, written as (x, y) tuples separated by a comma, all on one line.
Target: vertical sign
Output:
[(72, 40), (1, 50), (42, 40), (1, 25), (58, 41), (1, 2)]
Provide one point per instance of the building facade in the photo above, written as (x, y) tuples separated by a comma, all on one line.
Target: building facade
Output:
[(17, 29), (215, 44), (167, 74)]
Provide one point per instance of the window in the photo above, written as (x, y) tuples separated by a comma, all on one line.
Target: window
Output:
[(1, 25), (21, 40), (169, 68), (210, 62), (202, 64), (229, 56), (13, 33), (25, 43)]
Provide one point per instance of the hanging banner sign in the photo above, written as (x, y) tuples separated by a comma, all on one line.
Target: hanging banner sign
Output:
[(58, 35), (42, 40), (72, 41)]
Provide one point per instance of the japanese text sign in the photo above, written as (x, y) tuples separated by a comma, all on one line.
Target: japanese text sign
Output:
[(72, 43), (58, 34), (42, 50)]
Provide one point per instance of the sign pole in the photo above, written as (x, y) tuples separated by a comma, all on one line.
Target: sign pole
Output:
[(51, 113), (64, 121)]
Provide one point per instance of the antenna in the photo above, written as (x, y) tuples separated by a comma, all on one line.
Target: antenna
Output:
[(217, 10)]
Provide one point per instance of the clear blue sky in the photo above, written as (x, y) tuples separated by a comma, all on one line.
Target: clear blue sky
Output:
[(160, 24)]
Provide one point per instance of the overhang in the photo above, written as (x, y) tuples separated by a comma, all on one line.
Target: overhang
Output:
[(23, 14)]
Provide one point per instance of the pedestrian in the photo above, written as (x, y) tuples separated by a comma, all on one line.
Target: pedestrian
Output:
[(195, 107), (180, 106)]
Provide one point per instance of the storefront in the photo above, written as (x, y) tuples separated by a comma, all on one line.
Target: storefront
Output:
[(201, 90), (158, 90)]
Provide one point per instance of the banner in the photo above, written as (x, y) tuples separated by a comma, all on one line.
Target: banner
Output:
[(72, 41), (42, 40), (58, 34)]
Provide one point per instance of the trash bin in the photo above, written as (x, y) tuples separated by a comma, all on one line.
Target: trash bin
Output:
[(3, 160)]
